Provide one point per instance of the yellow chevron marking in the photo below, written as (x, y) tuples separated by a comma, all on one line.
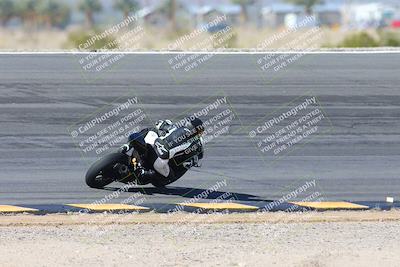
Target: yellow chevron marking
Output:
[(105, 207), (8, 208), (330, 205), (220, 206)]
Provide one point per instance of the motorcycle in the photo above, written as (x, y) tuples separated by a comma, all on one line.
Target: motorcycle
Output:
[(125, 166)]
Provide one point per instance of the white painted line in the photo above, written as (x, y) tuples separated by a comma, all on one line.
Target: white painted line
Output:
[(203, 52)]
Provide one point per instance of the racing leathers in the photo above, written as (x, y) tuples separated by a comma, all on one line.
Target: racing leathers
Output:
[(172, 148), (182, 146)]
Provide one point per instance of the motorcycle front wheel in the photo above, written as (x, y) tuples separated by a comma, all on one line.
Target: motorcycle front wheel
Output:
[(102, 172)]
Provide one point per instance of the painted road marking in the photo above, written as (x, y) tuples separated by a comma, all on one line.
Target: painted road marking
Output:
[(9, 208), (330, 205), (219, 206), (220, 52), (107, 207)]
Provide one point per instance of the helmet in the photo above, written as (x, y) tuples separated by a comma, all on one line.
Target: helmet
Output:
[(162, 124), (197, 125), (164, 127)]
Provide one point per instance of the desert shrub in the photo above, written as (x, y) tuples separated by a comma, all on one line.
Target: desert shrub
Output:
[(226, 39), (361, 39), (86, 41), (388, 38)]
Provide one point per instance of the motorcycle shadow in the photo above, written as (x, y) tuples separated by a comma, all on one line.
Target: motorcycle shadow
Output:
[(190, 192)]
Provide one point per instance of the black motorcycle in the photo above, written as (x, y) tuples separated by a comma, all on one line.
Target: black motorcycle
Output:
[(125, 166)]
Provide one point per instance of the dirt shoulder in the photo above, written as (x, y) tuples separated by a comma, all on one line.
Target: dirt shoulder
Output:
[(311, 239), (155, 218)]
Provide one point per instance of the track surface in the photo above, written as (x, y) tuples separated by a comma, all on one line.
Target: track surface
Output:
[(41, 95)]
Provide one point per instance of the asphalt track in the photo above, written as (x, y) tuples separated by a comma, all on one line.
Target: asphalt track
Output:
[(358, 159)]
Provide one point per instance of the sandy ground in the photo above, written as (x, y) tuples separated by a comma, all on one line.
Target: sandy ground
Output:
[(278, 239), (156, 38)]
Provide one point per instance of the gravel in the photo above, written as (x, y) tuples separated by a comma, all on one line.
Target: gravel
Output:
[(192, 244)]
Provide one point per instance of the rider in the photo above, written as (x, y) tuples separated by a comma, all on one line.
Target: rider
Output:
[(172, 145)]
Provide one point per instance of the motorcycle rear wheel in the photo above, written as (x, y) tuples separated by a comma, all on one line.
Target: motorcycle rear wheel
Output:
[(162, 181)]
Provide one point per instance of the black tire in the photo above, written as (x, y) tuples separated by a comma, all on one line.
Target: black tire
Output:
[(162, 182), (101, 173)]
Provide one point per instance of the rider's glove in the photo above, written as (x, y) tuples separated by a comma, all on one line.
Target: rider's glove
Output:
[(124, 148)]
